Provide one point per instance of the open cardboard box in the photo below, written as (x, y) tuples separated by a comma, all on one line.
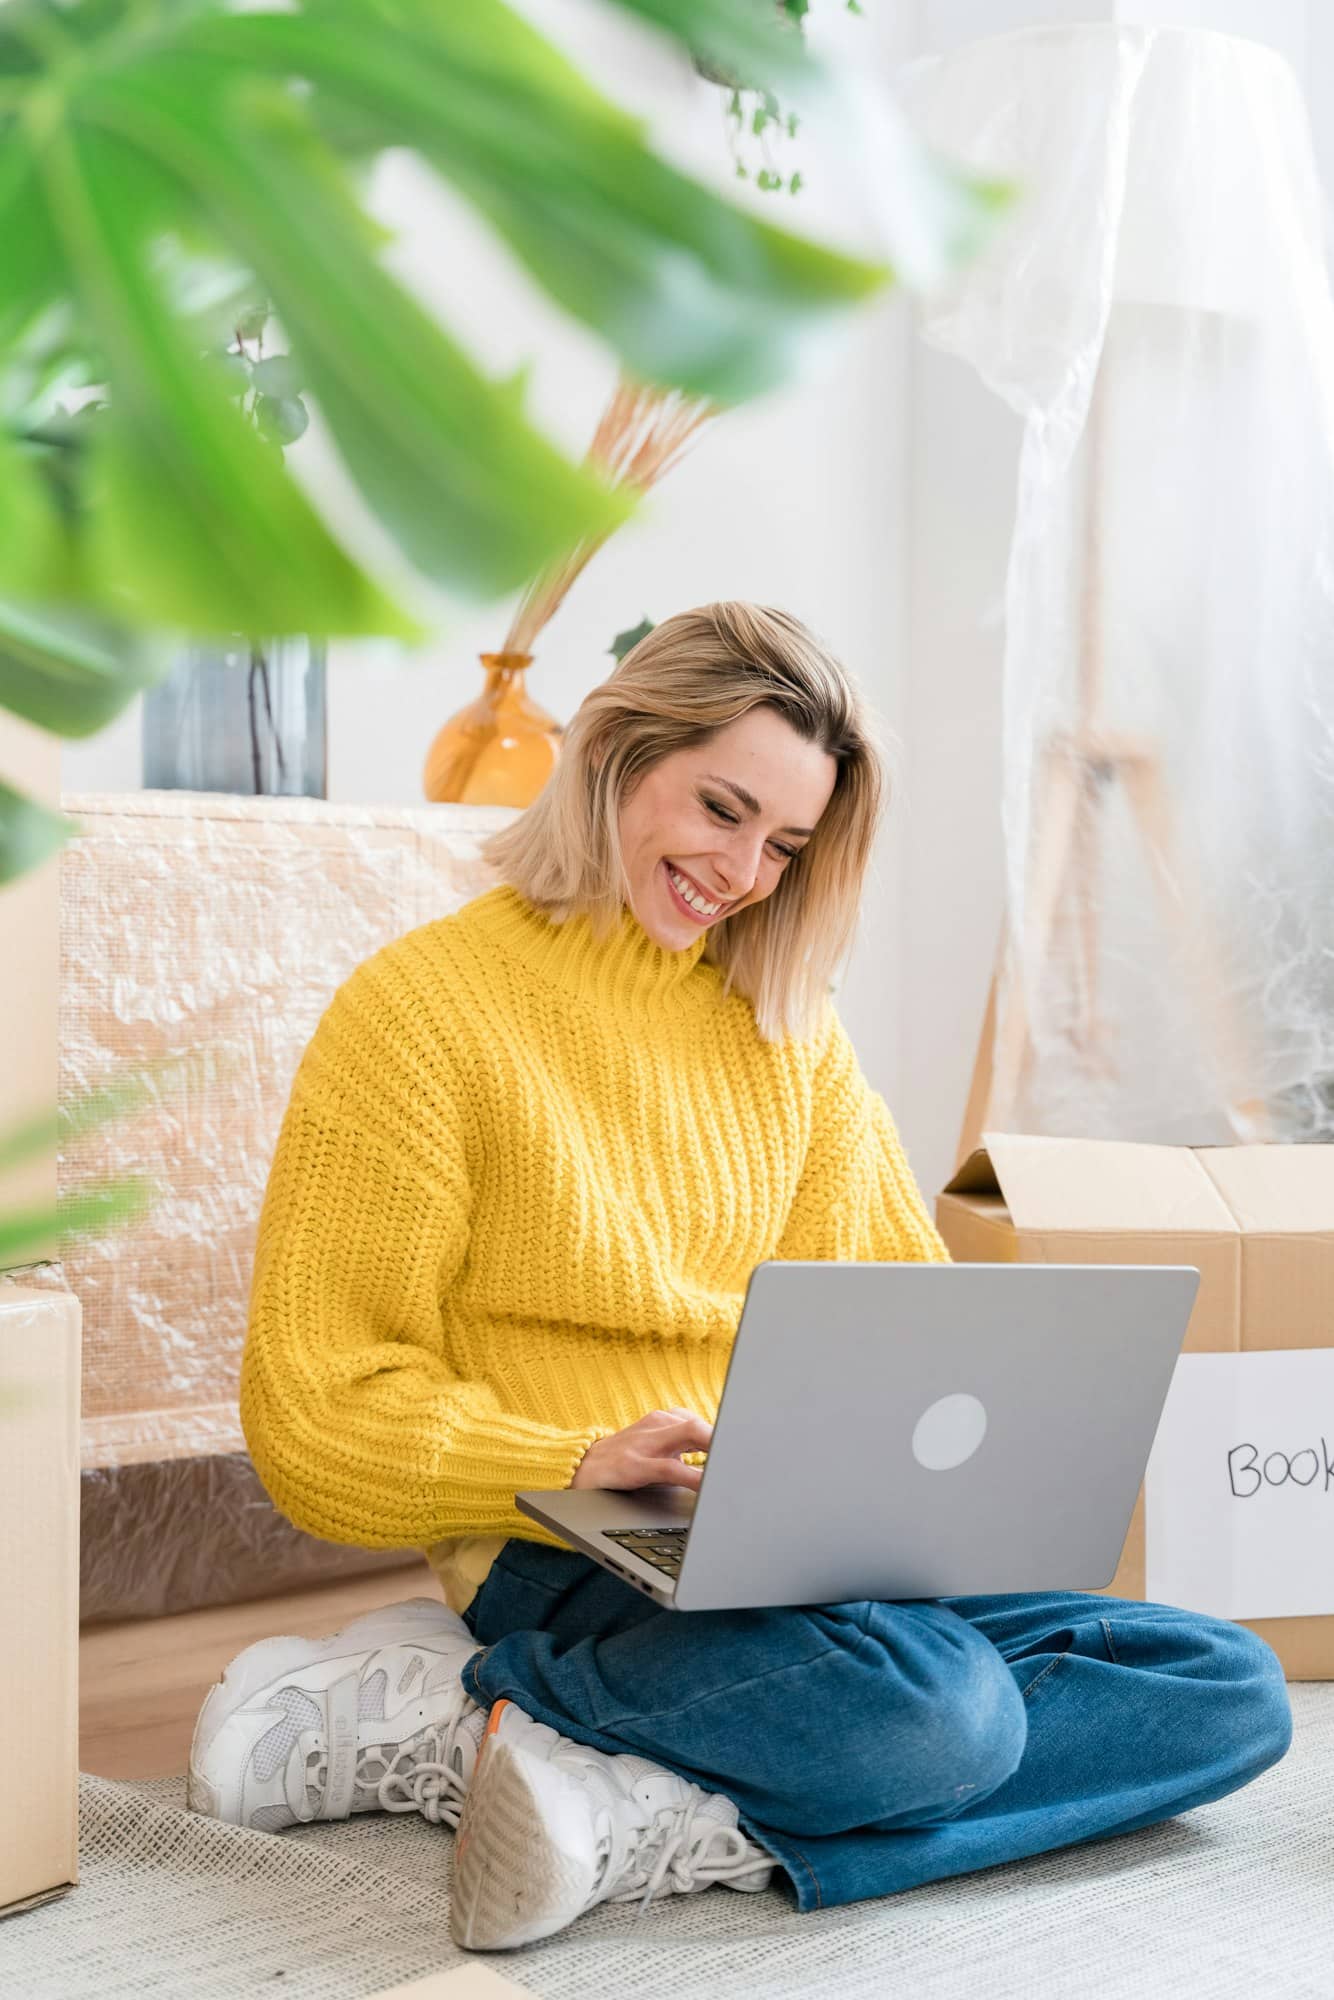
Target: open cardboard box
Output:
[(39, 1592), (1257, 1222)]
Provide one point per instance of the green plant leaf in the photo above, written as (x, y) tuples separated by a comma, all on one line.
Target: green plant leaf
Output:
[(624, 641), (754, 44), (32, 272), (88, 1110), (196, 525), (31, 543), (153, 131), (277, 375), (29, 833), (281, 419), (515, 387), (72, 673), (27, 1234), (47, 364), (93, 1211), (475, 497), (234, 371), (210, 294), (931, 214), (31, 1140), (687, 288)]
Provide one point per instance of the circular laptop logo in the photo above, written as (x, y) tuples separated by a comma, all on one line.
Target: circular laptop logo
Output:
[(949, 1432)]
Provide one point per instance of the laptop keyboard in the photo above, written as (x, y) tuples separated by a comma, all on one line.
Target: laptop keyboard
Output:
[(663, 1547)]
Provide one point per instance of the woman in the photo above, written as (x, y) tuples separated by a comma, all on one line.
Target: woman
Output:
[(532, 1154)]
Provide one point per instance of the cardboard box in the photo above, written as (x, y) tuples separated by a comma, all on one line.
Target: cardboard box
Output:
[(1257, 1222), (39, 1593), (30, 960), (465, 1982)]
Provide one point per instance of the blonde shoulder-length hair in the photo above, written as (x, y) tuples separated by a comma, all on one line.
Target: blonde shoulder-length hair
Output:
[(691, 676)]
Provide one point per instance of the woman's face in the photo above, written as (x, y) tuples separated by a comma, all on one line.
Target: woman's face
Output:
[(712, 828)]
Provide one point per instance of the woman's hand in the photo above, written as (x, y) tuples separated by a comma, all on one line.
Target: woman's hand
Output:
[(646, 1454)]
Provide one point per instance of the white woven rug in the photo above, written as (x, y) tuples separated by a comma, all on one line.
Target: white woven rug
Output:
[(1232, 1902)]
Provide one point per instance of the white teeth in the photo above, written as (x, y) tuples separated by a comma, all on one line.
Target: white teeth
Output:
[(692, 896)]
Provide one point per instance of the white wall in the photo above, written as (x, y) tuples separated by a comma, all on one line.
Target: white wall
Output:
[(874, 502)]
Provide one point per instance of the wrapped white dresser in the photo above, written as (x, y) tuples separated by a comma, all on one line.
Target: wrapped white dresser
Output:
[(216, 929)]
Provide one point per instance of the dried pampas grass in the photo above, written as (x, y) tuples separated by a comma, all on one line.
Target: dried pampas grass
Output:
[(642, 434)]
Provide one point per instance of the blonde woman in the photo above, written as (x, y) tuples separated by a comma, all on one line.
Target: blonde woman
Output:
[(532, 1154)]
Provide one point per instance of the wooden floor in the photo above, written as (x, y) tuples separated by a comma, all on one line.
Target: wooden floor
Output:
[(142, 1683)]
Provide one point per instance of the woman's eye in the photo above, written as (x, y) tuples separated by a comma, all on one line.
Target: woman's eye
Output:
[(788, 853)]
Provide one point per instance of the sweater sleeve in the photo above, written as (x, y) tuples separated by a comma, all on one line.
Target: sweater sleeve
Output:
[(856, 1200), (357, 1425)]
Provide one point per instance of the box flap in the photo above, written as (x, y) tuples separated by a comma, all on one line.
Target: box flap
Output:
[(975, 1176), (1275, 1190), (1095, 1184)]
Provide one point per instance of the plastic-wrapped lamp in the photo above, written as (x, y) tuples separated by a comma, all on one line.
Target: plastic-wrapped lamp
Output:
[(1157, 311)]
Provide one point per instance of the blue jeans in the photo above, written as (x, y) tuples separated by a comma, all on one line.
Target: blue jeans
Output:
[(871, 1747)]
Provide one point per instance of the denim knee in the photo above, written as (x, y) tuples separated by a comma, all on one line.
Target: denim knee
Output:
[(913, 1738), (969, 1739), (1253, 1723)]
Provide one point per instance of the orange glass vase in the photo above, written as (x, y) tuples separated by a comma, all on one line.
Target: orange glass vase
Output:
[(499, 750)]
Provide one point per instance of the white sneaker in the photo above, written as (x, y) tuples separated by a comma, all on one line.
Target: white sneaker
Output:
[(373, 1718), (551, 1827)]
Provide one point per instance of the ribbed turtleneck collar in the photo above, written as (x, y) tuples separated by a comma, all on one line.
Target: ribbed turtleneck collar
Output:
[(626, 969)]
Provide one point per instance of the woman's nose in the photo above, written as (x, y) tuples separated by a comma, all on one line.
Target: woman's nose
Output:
[(740, 865)]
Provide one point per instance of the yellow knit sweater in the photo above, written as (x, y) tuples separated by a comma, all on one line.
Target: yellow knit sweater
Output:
[(518, 1191)]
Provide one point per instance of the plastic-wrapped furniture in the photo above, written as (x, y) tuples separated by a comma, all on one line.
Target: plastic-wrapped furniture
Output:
[(1157, 310), (202, 937)]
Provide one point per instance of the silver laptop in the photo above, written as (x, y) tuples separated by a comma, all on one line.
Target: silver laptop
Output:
[(908, 1430)]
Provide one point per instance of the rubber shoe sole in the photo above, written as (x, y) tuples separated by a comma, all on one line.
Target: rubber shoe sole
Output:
[(513, 1882), (270, 1662)]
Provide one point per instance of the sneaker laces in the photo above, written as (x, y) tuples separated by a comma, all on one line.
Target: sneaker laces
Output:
[(431, 1782), (689, 1844)]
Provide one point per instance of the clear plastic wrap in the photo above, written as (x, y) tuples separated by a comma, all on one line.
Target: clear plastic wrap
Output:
[(1157, 310), (216, 929), (181, 1533)]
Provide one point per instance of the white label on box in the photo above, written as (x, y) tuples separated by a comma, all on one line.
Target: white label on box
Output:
[(1239, 1492)]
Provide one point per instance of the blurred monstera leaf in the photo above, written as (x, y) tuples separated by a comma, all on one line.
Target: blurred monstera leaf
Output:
[(129, 124)]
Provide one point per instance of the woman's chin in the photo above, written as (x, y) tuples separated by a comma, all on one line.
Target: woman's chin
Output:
[(673, 933)]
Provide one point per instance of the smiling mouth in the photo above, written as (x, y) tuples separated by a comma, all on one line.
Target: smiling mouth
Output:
[(699, 905)]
